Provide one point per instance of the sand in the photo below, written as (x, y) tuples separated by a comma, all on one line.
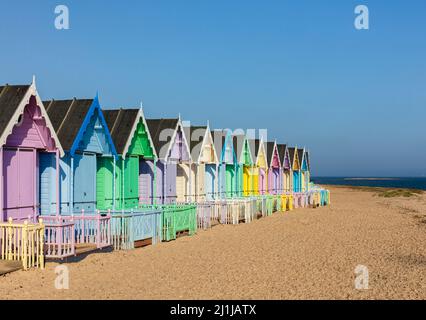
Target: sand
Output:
[(305, 254)]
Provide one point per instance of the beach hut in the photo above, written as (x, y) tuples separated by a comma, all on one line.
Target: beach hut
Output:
[(304, 172), (295, 168), (204, 163), (245, 163), (84, 135), (227, 168), (174, 158), (285, 167), (308, 171), (133, 143), (259, 172), (274, 168), (26, 136)]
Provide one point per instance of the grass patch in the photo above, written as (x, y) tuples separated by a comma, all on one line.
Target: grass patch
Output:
[(393, 193)]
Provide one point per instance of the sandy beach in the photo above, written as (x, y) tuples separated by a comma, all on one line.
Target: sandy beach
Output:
[(304, 254)]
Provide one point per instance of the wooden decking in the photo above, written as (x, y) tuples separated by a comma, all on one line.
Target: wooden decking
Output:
[(9, 266)]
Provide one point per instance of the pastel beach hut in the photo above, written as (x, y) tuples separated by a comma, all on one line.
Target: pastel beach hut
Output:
[(134, 178), (132, 226), (245, 164), (260, 182), (287, 198), (204, 163), (295, 169), (227, 169), (286, 168), (174, 157), (27, 136), (274, 168), (173, 177), (299, 197), (89, 149), (304, 171)]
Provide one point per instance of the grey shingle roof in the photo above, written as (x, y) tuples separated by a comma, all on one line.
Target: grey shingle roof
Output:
[(120, 123), (67, 117), (10, 98), (156, 126)]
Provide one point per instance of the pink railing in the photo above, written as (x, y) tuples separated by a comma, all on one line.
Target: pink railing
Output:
[(59, 239), (63, 233)]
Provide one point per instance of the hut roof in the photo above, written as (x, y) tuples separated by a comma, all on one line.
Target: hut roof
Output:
[(67, 117), (300, 153), (120, 123), (308, 161), (10, 99), (281, 152), (292, 152), (239, 140), (156, 126), (269, 152)]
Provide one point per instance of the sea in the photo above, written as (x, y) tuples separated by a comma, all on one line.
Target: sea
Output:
[(411, 183)]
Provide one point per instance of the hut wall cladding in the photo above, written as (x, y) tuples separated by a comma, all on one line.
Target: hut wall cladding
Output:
[(28, 138), (86, 176)]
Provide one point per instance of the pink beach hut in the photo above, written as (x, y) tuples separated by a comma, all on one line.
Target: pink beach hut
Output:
[(25, 133)]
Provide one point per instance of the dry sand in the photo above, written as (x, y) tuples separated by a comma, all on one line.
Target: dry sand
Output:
[(305, 254)]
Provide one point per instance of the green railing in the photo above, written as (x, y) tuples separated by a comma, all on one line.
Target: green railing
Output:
[(176, 218)]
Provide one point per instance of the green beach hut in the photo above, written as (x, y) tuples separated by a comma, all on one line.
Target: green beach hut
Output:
[(134, 145)]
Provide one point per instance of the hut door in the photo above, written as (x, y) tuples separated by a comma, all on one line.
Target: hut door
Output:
[(131, 182), (246, 180), (229, 180), (47, 164), (104, 183), (181, 183), (295, 181), (19, 174), (209, 181), (85, 182), (146, 182)]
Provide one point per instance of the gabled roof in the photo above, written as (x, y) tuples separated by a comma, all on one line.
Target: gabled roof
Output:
[(308, 161), (123, 124), (197, 135), (13, 99), (239, 141), (163, 129), (70, 119), (281, 152), (270, 148), (300, 154), (220, 139), (195, 140), (156, 126), (292, 152), (254, 145)]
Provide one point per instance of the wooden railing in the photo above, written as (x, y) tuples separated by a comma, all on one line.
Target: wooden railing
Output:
[(63, 233), (22, 242), (59, 239), (132, 226)]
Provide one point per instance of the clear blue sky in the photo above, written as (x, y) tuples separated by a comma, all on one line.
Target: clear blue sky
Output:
[(357, 99)]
